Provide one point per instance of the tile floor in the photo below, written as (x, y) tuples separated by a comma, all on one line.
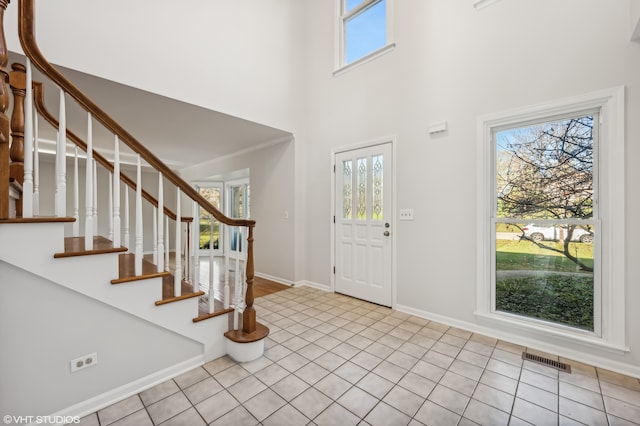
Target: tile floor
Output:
[(334, 360)]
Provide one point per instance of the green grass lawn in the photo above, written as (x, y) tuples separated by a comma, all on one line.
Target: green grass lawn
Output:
[(552, 294)]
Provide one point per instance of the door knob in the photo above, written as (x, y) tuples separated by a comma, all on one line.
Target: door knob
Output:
[(386, 233)]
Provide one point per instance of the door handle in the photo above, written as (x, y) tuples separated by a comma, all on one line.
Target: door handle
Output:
[(386, 233)]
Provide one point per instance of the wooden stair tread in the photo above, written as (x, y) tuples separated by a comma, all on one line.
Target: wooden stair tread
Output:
[(126, 269), (74, 246), (167, 291), (38, 219)]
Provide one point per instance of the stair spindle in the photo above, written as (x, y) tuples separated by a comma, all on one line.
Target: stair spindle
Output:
[(195, 247), (126, 237), (88, 200), (167, 245), (116, 193), (36, 167), (212, 271), (160, 224), (177, 281), (27, 184), (61, 161), (155, 236), (5, 126), (94, 204), (110, 208), (76, 197), (138, 250)]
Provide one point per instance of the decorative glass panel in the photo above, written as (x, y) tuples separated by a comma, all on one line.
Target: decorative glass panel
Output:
[(378, 199), (362, 189), (347, 190)]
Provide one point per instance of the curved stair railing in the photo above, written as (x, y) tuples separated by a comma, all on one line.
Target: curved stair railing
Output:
[(17, 166)]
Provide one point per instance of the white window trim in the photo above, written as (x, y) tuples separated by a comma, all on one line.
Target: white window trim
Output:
[(340, 66), (612, 213)]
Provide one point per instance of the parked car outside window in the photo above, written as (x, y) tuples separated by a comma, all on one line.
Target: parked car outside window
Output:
[(555, 233)]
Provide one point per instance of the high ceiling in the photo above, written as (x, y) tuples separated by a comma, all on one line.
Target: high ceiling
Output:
[(180, 134)]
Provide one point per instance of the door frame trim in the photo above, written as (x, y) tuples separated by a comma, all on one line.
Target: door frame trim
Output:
[(366, 144)]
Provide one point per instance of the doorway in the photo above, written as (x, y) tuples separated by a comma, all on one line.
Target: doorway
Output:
[(363, 223)]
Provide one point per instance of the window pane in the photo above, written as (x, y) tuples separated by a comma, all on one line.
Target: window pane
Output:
[(366, 32), (546, 272), (206, 235), (545, 171), (378, 199), (362, 189), (350, 4), (347, 191)]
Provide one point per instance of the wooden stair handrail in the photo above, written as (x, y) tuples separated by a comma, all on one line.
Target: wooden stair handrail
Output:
[(26, 30), (38, 95), (251, 330)]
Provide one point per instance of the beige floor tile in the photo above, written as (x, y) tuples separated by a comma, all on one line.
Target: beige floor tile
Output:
[(433, 414), (449, 399), (311, 402), (358, 401), (202, 390), (375, 385), (336, 414), (485, 414), (333, 386), (494, 397), (285, 416), (385, 415), (120, 409), (290, 387), (582, 413), (264, 404), (168, 407), (404, 400)]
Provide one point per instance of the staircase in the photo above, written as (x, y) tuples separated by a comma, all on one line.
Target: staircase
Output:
[(65, 248)]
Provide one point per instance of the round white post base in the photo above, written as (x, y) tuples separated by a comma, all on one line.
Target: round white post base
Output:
[(245, 352)]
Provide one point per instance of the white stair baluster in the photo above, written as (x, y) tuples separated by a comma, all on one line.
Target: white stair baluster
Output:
[(195, 247), (155, 236), (212, 271), (177, 282), (126, 236), (94, 205), (110, 208), (36, 167), (76, 197), (139, 235), (116, 194), (167, 262), (88, 199), (160, 224), (27, 184), (61, 161)]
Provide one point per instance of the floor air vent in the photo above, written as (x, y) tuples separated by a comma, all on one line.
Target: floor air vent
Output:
[(546, 361)]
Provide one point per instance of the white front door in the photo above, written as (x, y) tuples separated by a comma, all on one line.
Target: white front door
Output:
[(363, 218)]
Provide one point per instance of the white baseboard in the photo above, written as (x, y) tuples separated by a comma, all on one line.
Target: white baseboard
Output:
[(112, 396), (305, 283), (273, 278), (574, 354)]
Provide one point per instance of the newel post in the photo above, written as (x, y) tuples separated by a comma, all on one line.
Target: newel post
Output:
[(4, 120), (249, 314)]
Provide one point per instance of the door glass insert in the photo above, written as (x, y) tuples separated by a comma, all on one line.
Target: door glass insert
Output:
[(347, 191), (378, 199), (362, 189)]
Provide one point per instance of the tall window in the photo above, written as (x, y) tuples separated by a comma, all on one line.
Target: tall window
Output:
[(551, 222), (364, 29), (545, 220)]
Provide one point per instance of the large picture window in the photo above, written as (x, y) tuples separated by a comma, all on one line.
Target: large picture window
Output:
[(551, 222), (545, 220)]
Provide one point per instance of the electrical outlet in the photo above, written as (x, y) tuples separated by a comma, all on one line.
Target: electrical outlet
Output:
[(406, 214), (83, 362)]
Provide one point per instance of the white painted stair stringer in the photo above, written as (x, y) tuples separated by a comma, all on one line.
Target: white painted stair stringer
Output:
[(30, 246)]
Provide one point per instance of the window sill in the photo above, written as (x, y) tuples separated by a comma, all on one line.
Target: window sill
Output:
[(370, 57), (540, 331)]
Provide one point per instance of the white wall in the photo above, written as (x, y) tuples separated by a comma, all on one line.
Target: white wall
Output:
[(230, 56), (455, 63), (43, 326), (271, 173)]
